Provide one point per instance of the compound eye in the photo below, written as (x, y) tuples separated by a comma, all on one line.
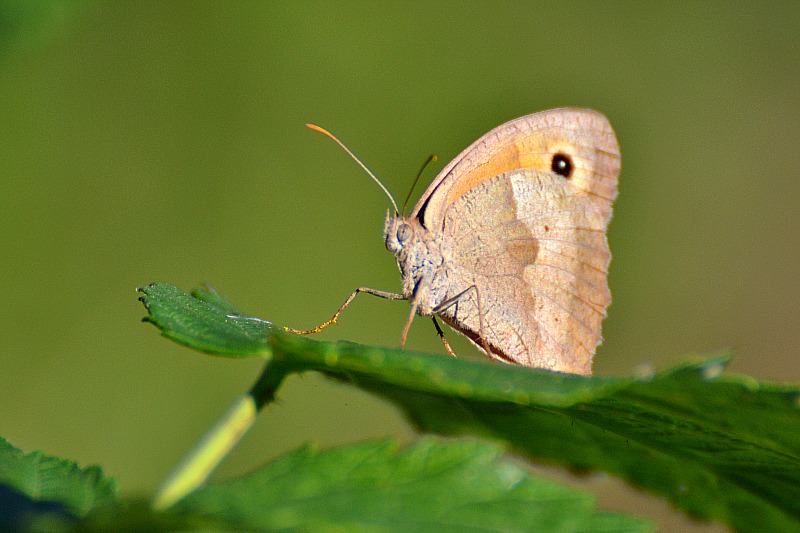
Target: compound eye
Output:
[(403, 233)]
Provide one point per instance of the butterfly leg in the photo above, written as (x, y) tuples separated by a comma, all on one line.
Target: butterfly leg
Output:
[(412, 312), (480, 322), (451, 301), (335, 317), (441, 336)]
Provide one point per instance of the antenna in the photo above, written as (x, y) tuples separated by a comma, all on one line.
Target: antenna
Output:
[(431, 158), (357, 160)]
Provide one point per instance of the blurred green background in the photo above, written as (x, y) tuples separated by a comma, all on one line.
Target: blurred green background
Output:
[(164, 141)]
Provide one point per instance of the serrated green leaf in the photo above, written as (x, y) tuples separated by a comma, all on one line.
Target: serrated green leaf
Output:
[(722, 447), (434, 485), (702, 444), (204, 321), (44, 478)]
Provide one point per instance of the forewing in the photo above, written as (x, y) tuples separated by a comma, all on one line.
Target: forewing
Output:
[(530, 142)]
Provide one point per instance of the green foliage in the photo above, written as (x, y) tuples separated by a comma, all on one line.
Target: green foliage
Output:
[(205, 322), (723, 447), (437, 486), (36, 485)]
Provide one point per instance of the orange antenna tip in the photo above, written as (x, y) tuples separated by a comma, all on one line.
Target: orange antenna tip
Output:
[(319, 129)]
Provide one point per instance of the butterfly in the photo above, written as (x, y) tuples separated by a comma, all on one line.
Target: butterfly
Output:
[(508, 243)]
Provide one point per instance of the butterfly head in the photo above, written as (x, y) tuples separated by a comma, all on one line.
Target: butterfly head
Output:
[(397, 232), (420, 256)]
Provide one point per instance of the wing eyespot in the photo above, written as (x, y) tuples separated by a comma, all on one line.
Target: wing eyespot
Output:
[(562, 165)]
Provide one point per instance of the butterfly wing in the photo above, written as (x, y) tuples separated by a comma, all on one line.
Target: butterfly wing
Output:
[(530, 242)]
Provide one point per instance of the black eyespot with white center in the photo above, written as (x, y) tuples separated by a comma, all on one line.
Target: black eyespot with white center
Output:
[(562, 165)]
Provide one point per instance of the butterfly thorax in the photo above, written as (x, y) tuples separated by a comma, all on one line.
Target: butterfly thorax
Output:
[(422, 258)]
